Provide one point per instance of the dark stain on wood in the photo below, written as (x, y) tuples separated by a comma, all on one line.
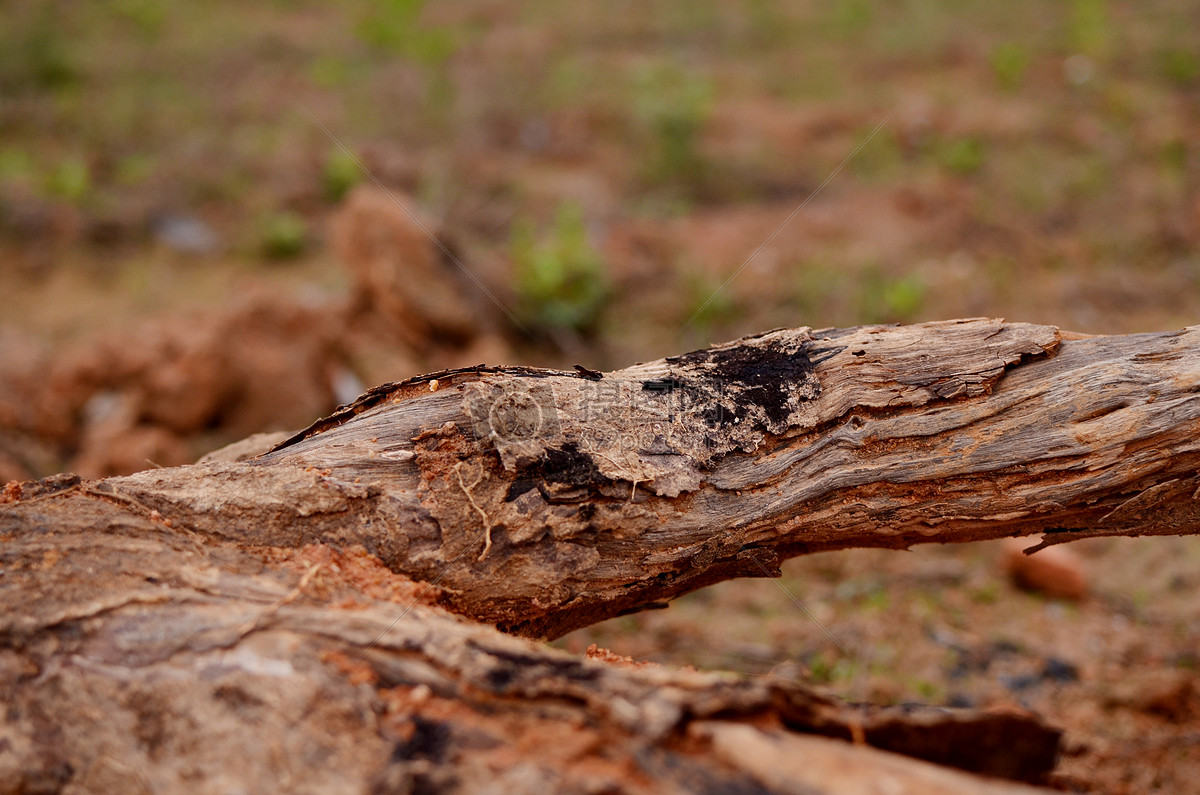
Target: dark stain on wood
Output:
[(664, 385), (767, 377), (566, 464)]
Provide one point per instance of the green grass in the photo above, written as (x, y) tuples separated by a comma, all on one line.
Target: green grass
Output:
[(147, 16), (825, 294), (69, 179), (1089, 28), (881, 160), (135, 169), (672, 104), (283, 235), (561, 279), (986, 594), (341, 173), (876, 599), (16, 165), (1179, 66), (395, 27), (707, 305), (929, 692), (961, 156), (1009, 62), (37, 52), (829, 668)]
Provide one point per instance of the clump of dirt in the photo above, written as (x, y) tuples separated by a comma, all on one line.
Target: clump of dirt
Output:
[(1055, 571), (150, 396), (169, 389), (407, 279)]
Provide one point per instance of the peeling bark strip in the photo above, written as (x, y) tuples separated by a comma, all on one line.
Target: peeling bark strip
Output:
[(542, 501)]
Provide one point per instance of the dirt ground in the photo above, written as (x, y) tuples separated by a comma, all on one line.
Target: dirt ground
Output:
[(192, 250)]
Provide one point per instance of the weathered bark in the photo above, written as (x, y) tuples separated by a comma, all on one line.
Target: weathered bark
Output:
[(544, 501), (166, 626)]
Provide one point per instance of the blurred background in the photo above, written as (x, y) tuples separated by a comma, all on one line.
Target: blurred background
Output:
[(187, 257)]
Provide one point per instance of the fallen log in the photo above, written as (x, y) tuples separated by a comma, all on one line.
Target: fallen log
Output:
[(136, 659), (277, 622), (543, 501)]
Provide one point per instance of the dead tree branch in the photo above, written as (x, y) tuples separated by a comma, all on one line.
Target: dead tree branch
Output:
[(544, 501)]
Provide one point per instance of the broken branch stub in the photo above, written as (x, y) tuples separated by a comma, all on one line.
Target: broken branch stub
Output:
[(542, 501)]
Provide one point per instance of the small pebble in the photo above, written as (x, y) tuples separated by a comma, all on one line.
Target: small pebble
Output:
[(1054, 571)]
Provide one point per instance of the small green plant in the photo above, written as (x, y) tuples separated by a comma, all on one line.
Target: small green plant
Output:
[(394, 26), (889, 299), (1179, 66), (16, 165), (1009, 62), (824, 669), (147, 15), (283, 235), (963, 156), (69, 179), (1174, 158), (708, 304), (39, 54), (876, 599), (927, 690), (134, 169), (341, 173), (561, 279), (328, 71), (851, 17), (986, 594), (673, 104), (1088, 28), (883, 159)]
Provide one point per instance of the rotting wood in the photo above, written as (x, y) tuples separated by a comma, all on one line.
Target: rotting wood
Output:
[(186, 606)]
